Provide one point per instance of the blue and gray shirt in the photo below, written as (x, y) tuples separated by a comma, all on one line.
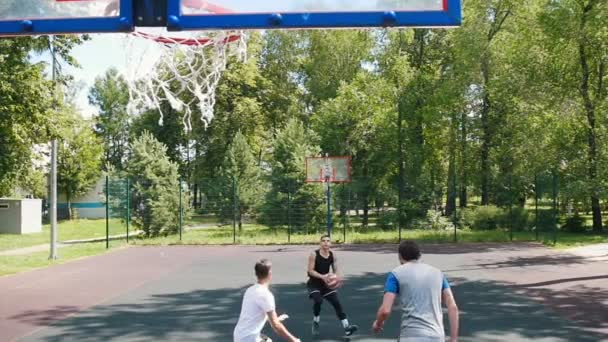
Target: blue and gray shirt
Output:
[(419, 287)]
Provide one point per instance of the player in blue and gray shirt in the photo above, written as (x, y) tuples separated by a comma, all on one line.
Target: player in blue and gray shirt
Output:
[(421, 289)]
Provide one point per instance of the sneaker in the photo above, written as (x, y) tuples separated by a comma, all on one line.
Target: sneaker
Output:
[(351, 329), (315, 328)]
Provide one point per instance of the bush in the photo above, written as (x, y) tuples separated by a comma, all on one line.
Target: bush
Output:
[(484, 218), (387, 220), (519, 217), (546, 220), (436, 221), (575, 224)]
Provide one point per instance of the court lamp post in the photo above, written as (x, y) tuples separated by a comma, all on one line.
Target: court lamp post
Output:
[(53, 175)]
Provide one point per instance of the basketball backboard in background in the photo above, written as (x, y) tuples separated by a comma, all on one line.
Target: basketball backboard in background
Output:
[(29, 17), (328, 169)]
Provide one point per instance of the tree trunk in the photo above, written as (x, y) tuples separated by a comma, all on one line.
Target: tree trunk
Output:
[(591, 130), (463, 169), (486, 135), (240, 218), (365, 221), (69, 203), (450, 204), (400, 214), (486, 121), (195, 196)]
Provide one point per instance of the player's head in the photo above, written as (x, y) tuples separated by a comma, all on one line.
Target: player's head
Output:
[(408, 251), (263, 270), (325, 241)]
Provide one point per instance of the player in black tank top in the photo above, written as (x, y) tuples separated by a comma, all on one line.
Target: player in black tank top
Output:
[(320, 263), (322, 266)]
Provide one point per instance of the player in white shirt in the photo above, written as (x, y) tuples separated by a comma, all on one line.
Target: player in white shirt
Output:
[(258, 306)]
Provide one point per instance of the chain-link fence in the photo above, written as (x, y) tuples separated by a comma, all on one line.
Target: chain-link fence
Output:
[(226, 210), (144, 208)]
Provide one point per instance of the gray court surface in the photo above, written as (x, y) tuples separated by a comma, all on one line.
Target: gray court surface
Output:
[(513, 292)]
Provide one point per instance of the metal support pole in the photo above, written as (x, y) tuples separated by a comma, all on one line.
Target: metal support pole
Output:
[(128, 208), (234, 211), (510, 206), (348, 208), (53, 199), (107, 212), (181, 215), (289, 211), (455, 206), (536, 205), (329, 222), (554, 208), (345, 213)]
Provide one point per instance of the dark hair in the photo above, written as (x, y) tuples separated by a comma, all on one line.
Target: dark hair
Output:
[(409, 250), (325, 236), (262, 268)]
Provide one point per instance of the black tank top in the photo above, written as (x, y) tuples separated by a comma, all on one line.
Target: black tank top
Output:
[(322, 266)]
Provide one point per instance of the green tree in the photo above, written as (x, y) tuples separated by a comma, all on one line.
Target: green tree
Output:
[(287, 165), (242, 169), (155, 182), (577, 36), (111, 96), (281, 66), (357, 123), (25, 119), (333, 56), (238, 109), (27, 110), (79, 160), (415, 62)]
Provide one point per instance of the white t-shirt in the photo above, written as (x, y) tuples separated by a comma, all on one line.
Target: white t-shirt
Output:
[(257, 301)]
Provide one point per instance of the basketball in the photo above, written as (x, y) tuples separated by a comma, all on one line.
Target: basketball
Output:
[(333, 281)]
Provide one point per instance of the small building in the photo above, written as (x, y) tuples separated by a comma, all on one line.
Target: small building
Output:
[(20, 216)]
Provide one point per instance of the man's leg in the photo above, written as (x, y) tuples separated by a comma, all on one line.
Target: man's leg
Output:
[(332, 298), (315, 295)]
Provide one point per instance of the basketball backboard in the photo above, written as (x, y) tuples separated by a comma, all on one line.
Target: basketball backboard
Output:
[(31, 17), (328, 169)]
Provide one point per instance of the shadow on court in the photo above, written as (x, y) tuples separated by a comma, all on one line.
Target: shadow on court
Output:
[(447, 248), (490, 311)]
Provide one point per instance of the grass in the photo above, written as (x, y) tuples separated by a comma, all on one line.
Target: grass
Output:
[(20, 263), (201, 219), (67, 230), (256, 234), (250, 234)]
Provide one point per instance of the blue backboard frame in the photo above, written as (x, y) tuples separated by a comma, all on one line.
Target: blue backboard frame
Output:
[(121, 23), (450, 16)]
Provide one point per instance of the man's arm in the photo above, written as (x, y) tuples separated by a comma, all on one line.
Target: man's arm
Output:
[(311, 268), (279, 328), (453, 315), (384, 311)]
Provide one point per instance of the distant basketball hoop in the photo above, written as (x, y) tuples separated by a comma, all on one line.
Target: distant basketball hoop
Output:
[(328, 169)]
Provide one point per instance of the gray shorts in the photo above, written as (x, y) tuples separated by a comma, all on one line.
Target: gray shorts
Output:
[(421, 339)]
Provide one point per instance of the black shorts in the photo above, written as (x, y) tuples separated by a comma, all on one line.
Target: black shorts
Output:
[(322, 289)]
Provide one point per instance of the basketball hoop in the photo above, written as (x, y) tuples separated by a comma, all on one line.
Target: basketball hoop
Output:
[(182, 69), (328, 169), (184, 74)]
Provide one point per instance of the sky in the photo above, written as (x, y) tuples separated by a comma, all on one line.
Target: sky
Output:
[(95, 57), (104, 51)]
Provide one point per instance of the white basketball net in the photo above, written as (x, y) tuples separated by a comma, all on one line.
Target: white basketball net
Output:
[(182, 71)]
